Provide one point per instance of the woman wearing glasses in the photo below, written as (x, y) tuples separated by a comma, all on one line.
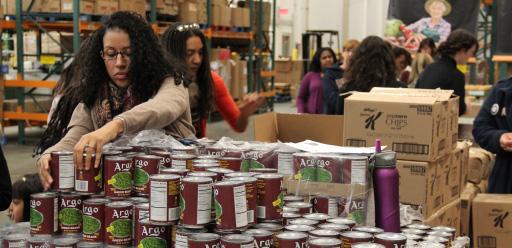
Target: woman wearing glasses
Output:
[(125, 85), (207, 91)]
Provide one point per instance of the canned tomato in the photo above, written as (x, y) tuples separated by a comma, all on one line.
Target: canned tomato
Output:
[(414, 231), (204, 164), (342, 221), (419, 226), (39, 241), (62, 170), (323, 233), (324, 243), (204, 240), (293, 198), (391, 240), (368, 229), (164, 198), (303, 207), (262, 238), (237, 241), (270, 197), (44, 213), (353, 237), (152, 234), (182, 161), (118, 223), (335, 227), (231, 163), (180, 236), (175, 171), (299, 228), (230, 205), (118, 176), (89, 181), (65, 243), (251, 197), (195, 201), (288, 217), (320, 217), (304, 221), (166, 160), (208, 174), (15, 240), (367, 245), (327, 205), (94, 219), (192, 150), (70, 213), (291, 240), (145, 166), (220, 172)]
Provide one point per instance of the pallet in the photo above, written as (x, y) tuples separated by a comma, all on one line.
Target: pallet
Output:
[(282, 98), (166, 17), (240, 29)]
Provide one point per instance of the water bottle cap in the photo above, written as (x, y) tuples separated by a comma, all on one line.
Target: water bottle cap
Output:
[(385, 159)]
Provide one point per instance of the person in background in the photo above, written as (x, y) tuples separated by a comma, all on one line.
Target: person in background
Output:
[(428, 46), (126, 85), (371, 65), (419, 63), (403, 59), (5, 183), (443, 73), (332, 77), (435, 26), (187, 43), (19, 210), (310, 97)]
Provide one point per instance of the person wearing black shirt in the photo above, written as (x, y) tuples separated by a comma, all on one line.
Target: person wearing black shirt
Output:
[(5, 183), (457, 49)]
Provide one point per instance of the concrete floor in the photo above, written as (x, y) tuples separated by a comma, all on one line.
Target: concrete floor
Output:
[(20, 161)]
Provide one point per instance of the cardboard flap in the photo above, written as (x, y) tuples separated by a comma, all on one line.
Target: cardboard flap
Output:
[(441, 95), (390, 98), (326, 189), (493, 198), (265, 127), (327, 129)]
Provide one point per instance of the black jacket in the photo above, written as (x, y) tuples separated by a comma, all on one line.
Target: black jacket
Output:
[(5, 183), (493, 120), (444, 74), (330, 88)]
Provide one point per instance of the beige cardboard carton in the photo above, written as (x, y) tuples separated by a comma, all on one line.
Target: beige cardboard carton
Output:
[(86, 6), (452, 174), (492, 221), (466, 198), (479, 165), (50, 6), (464, 163), (138, 6), (448, 215), (11, 6), (188, 12), (412, 126)]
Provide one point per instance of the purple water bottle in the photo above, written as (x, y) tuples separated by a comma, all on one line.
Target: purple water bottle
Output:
[(385, 186)]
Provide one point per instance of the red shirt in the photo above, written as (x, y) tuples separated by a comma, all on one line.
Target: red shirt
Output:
[(224, 103)]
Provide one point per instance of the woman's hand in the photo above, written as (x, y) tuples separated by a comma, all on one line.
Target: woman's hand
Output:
[(92, 144), (250, 104), (43, 165), (506, 142)]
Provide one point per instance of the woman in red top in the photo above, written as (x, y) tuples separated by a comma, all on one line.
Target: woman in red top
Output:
[(188, 43)]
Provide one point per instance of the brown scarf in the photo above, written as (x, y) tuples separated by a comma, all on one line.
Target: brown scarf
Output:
[(111, 102)]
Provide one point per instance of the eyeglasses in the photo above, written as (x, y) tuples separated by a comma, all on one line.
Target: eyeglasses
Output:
[(111, 54), (185, 27)]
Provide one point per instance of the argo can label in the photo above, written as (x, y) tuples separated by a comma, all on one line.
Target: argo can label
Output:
[(62, 170), (293, 198), (164, 198), (320, 217), (152, 234), (118, 223), (89, 181), (39, 241), (304, 221), (291, 240), (204, 240), (391, 240), (270, 197), (230, 205), (350, 238), (342, 221), (299, 228), (44, 213), (140, 212), (220, 172), (70, 212), (327, 205), (94, 219), (251, 196), (335, 227), (145, 166), (262, 238), (237, 241), (118, 176), (324, 243), (370, 245), (195, 201), (182, 161), (166, 160), (231, 163), (181, 234)]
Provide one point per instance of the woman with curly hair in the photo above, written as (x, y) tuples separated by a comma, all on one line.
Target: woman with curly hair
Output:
[(372, 65), (125, 85)]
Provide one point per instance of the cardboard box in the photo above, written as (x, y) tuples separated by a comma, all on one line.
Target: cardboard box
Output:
[(464, 163), (188, 12), (397, 121), (246, 17), (167, 7), (272, 127), (451, 174), (466, 198), (291, 72), (105, 7), (50, 6), (492, 213), (225, 16), (48, 45), (220, 3), (422, 184), (11, 6), (239, 79), (86, 6), (137, 6), (479, 164), (202, 13), (483, 185), (448, 215), (237, 17)]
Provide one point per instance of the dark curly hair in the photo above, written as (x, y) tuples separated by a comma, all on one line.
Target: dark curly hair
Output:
[(22, 189), (315, 65), (174, 42), (400, 51), (428, 42), (372, 64), (458, 40)]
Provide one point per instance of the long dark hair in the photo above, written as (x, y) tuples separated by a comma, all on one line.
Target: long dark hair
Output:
[(22, 189), (428, 42), (174, 42), (458, 40), (315, 65), (372, 64)]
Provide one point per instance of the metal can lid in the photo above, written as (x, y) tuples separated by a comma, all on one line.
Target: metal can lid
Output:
[(148, 157), (62, 153), (107, 153), (137, 200), (290, 150), (299, 205), (230, 159), (333, 226), (325, 242), (269, 226), (356, 234), (440, 234), (16, 236), (118, 158), (293, 198), (367, 245), (291, 235), (228, 183), (166, 177), (299, 228), (303, 221), (411, 236), (368, 229), (65, 241), (205, 161), (39, 238), (143, 206), (263, 170), (413, 231), (90, 245), (240, 174), (323, 233), (208, 156), (184, 148), (21, 225), (96, 201), (436, 239), (197, 179), (258, 232), (204, 237), (237, 238), (202, 174), (317, 216), (430, 244), (244, 179), (161, 153), (183, 156), (444, 229), (343, 221), (290, 210), (122, 148), (220, 170), (419, 226), (174, 170), (391, 236), (147, 221), (269, 176), (119, 204), (290, 215), (44, 195)]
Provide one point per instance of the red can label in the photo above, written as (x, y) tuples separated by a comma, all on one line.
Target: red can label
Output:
[(118, 177), (62, 170), (88, 181), (165, 160), (328, 205), (164, 198), (230, 205), (94, 219), (70, 213), (145, 166), (43, 213), (270, 197), (291, 240), (237, 241), (150, 234), (196, 201), (204, 240), (118, 222)]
